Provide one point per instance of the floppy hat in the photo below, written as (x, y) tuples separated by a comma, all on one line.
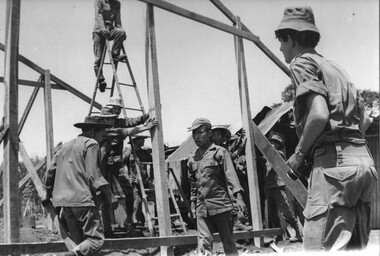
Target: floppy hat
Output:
[(198, 122), (93, 122), (299, 18), (277, 139), (115, 101), (224, 130)]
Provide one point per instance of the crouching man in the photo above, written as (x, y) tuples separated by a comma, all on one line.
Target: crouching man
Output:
[(72, 181)]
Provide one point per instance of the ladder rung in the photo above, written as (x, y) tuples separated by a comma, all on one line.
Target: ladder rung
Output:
[(171, 215), (135, 109), (130, 85)]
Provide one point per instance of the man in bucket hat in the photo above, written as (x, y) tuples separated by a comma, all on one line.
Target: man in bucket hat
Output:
[(210, 172), (330, 122), (71, 183)]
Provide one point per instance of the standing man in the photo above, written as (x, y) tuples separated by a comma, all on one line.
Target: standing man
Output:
[(276, 195), (211, 173), (72, 181), (330, 119), (145, 158), (107, 27), (112, 157)]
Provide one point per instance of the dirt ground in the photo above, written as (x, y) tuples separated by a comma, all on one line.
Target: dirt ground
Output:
[(42, 234)]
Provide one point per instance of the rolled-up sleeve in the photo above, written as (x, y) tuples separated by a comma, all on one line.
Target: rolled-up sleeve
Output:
[(92, 167), (307, 77)]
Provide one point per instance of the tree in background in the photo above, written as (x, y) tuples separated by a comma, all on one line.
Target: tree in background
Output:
[(370, 98)]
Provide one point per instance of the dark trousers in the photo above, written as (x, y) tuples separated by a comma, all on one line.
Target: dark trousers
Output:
[(84, 228), (220, 223), (118, 35)]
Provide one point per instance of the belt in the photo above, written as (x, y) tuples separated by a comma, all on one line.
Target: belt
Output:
[(340, 153)]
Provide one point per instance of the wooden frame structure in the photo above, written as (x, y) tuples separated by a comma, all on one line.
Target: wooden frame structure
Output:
[(12, 129)]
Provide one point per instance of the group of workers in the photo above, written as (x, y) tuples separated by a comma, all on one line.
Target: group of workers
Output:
[(330, 119)]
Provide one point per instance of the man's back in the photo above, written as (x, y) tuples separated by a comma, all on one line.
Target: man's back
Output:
[(75, 175)]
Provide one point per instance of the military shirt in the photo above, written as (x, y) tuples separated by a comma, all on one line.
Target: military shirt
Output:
[(74, 175), (209, 177), (312, 73), (107, 12)]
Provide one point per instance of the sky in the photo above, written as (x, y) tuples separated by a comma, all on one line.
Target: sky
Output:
[(196, 63)]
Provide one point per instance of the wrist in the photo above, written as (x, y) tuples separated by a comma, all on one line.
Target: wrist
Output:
[(300, 152)]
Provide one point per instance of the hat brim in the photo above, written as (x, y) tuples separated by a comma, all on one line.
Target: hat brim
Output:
[(113, 105), (297, 25), (192, 128), (278, 141), (89, 125), (224, 129)]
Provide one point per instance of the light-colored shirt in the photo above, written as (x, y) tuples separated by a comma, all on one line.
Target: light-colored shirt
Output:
[(210, 175), (74, 175), (312, 73)]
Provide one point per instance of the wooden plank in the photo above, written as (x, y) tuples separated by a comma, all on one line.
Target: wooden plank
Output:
[(31, 170), (127, 243), (3, 133), (33, 83), (37, 168), (10, 176), (27, 109), (158, 150), (48, 119), (254, 194), (295, 186), (201, 19), (258, 43), (55, 79)]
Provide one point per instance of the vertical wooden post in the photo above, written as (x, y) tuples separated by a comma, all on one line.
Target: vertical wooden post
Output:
[(254, 195), (48, 119), (160, 178), (11, 177), (49, 134)]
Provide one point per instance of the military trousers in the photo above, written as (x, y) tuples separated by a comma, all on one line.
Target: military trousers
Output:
[(338, 208), (220, 223)]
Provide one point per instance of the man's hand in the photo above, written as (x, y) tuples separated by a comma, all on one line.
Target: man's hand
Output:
[(192, 209), (151, 122), (295, 162), (106, 33), (240, 203), (106, 195)]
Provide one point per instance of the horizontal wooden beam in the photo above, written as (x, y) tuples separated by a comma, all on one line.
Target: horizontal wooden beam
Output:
[(33, 83), (128, 243), (55, 79), (202, 19)]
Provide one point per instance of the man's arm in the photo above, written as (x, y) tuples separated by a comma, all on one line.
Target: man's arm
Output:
[(99, 16), (318, 115), (232, 180), (117, 18), (125, 132), (365, 120), (130, 122), (48, 181), (97, 181), (193, 189)]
